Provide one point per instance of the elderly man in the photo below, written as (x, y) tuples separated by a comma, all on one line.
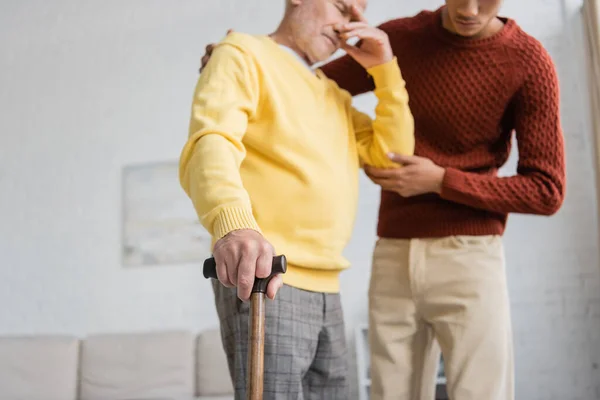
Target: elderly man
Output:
[(271, 166)]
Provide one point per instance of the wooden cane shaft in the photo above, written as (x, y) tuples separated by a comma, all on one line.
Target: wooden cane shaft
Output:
[(256, 343)]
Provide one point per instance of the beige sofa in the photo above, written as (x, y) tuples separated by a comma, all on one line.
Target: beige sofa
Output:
[(134, 366)]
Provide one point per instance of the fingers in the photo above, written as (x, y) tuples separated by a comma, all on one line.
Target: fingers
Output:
[(264, 262), (405, 160), (208, 52), (389, 179), (361, 33), (274, 285), (226, 266), (263, 266), (246, 271), (381, 173), (387, 184), (232, 261), (222, 273), (341, 28), (203, 61), (357, 29), (353, 51)]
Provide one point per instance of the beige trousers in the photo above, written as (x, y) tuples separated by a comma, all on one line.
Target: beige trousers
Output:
[(447, 294)]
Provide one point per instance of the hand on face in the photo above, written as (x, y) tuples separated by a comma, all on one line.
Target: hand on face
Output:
[(373, 47), (418, 175)]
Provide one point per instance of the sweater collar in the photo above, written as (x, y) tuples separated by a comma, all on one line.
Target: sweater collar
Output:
[(297, 56), (509, 28)]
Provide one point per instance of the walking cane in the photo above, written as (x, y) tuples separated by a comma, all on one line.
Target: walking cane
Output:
[(256, 340)]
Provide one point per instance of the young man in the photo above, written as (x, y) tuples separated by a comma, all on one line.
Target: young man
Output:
[(438, 277), (271, 166), (438, 267)]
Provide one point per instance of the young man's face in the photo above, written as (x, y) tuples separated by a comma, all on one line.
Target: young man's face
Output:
[(316, 20), (472, 18)]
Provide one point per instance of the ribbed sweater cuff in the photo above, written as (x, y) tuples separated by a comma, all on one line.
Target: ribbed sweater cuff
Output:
[(387, 75), (232, 219), (452, 184)]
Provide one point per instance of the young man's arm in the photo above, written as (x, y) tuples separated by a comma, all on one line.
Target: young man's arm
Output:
[(539, 186), (224, 99), (392, 130)]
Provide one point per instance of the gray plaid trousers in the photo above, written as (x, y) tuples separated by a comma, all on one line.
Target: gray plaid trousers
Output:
[(305, 344)]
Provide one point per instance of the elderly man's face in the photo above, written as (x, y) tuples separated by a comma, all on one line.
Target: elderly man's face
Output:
[(316, 20)]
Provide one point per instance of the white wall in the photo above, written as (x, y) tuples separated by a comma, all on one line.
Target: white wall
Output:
[(89, 86)]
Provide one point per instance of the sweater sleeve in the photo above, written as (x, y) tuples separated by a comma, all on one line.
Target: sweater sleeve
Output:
[(349, 75), (539, 185), (393, 128), (225, 97)]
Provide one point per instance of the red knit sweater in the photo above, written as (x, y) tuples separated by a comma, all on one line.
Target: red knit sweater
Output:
[(467, 97)]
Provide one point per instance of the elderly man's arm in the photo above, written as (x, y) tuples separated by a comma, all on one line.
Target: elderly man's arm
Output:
[(226, 97), (392, 129), (349, 75), (213, 153)]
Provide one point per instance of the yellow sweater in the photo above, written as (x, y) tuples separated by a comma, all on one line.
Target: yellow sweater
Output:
[(277, 148)]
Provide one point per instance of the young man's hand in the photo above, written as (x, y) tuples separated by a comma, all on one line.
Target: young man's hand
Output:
[(418, 175), (374, 45), (242, 255), (208, 52)]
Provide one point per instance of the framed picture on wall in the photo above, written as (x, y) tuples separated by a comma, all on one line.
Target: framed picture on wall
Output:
[(159, 223)]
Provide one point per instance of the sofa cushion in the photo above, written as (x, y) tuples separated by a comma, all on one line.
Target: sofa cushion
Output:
[(213, 375), (137, 366), (38, 368)]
